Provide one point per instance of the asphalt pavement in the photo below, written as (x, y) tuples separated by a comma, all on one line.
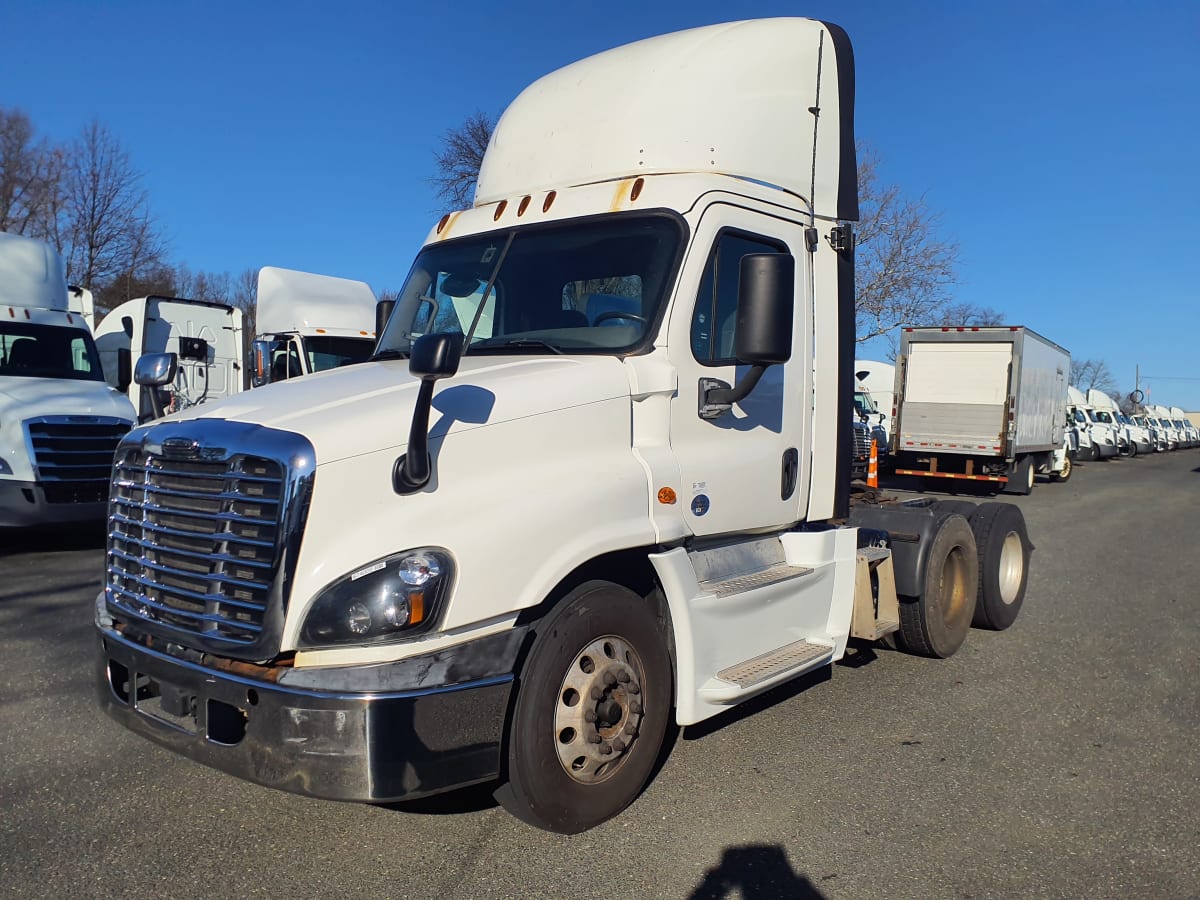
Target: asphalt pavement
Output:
[(1057, 759)]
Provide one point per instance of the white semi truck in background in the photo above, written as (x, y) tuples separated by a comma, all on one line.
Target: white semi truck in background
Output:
[(205, 339), (1132, 438), (594, 477), (59, 421), (980, 403), (309, 323)]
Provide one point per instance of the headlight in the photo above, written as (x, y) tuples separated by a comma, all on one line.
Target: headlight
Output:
[(391, 598)]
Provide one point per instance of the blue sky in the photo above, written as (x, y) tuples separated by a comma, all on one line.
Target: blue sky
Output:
[(1057, 140)]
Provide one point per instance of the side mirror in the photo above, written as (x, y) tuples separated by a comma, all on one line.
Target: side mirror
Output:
[(124, 369), (433, 357), (766, 300), (383, 312), (260, 369), (153, 371)]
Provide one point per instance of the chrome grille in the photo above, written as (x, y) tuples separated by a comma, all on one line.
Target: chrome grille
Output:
[(198, 547), (74, 455), (862, 440)]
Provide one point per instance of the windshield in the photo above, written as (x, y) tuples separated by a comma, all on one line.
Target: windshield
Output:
[(1091, 414), (325, 352), (1079, 416), (589, 286), (863, 403), (1103, 415), (48, 351)]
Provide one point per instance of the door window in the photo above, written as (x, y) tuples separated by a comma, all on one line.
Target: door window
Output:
[(714, 321)]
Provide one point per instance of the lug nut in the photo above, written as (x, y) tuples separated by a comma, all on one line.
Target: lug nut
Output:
[(633, 687), (630, 729), (619, 744), (589, 716), (610, 679), (593, 738), (622, 676), (606, 748), (635, 706), (595, 693)]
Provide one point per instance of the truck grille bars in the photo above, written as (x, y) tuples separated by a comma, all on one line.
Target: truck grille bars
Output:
[(205, 518), (74, 455)]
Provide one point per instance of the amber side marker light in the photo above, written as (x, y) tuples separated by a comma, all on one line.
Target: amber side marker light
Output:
[(666, 496)]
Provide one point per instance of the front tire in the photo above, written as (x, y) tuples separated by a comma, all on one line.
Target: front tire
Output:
[(1065, 472), (593, 703), (1004, 552)]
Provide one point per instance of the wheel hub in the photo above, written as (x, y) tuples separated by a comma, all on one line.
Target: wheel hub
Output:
[(599, 709)]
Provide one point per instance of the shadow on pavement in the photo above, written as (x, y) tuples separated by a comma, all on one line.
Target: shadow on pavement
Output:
[(756, 705), (50, 540), (752, 872)]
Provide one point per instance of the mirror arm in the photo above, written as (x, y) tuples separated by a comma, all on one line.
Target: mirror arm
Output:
[(717, 397), (412, 470)]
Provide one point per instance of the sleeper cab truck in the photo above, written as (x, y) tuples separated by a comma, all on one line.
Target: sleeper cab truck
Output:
[(593, 479), (984, 404), (59, 422), (197, 344)]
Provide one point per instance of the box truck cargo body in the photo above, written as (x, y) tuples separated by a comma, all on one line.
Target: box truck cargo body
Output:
[(983, 403)]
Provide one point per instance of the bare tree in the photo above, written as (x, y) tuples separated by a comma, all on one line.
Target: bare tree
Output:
[(26, 176), (459, 159), (903, 268), (244, 295), (969, 314), (1087, 374), (106, 229)]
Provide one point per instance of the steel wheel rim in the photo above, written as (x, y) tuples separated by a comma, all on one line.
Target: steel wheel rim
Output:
[(954, 587), (1066, 469), (1011, 570), (598, 709)]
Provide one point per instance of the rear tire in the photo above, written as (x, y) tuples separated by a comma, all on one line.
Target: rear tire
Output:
[(936, 623), (1004, 552), (1021, 479), (592, 707)]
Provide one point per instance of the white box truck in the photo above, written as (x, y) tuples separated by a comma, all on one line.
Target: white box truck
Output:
[(980, 404), (594, 477), (59, 421)]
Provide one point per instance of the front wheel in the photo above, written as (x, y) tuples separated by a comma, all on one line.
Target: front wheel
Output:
[(592, 708), (1065, 472)]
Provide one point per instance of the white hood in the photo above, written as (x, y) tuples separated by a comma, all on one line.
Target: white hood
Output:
[(368, 407), (29, 398)]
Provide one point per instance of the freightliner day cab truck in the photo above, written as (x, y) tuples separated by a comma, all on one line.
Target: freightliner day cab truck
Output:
[(59, 421), (594, 477), (982, 404), (309, 323)]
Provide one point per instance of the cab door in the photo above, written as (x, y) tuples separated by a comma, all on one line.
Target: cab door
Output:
[(748, 468)]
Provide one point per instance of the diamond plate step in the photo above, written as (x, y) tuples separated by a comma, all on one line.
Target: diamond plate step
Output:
[(763, 577), (764, 668)]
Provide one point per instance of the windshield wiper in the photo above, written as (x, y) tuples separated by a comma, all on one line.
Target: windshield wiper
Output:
[(389, 354), (492, 344)]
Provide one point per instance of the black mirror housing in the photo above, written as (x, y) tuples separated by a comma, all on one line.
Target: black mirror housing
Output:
[(435, 356), (766, 300), (124, 369), (383, 312)]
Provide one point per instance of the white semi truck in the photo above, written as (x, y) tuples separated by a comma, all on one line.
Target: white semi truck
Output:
[(594, 477), (980, 404), (310, 323), (59, 421)]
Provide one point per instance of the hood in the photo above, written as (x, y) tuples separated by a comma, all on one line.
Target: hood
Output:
[(368, 407), (25, 398)]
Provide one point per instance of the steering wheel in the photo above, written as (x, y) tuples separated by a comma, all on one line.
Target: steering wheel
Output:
[(617, 314)]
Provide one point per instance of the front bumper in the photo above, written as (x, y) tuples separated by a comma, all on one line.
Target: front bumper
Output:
[(373, 734), (23, 504), (1107, 451)]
